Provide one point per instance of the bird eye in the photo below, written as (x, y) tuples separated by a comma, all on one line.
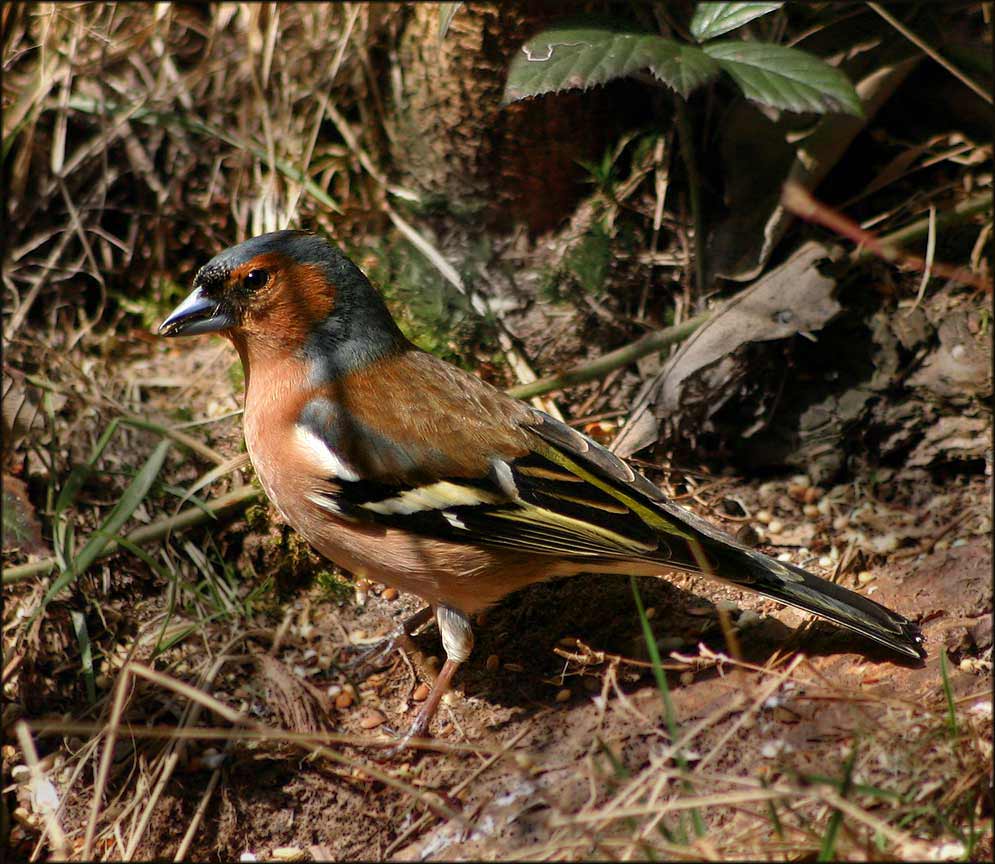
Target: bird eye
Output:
[(255, 279)]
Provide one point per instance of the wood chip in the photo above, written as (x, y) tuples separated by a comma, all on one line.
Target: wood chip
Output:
[(389, 594)]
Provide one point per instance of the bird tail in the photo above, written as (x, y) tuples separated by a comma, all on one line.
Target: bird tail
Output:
[(796, 587)]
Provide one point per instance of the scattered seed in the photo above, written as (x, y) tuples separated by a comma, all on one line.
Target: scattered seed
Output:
[(802, 480), (810, 511), (343, 700), (421, 692), (841, 522), (825, 561), (20, 773), (494, 663), (687, 678), (389, 594), (650, 613), (514, 667), (763, 516), (564, 695), (776, 526), (797, 493), (813, 494), (865, 576), (524, 761), (372, 720)]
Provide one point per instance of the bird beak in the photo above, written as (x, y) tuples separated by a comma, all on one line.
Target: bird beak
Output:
[(197, 314)]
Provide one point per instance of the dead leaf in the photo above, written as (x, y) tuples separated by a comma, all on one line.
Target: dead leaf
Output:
[(21, 529), (701, 376)]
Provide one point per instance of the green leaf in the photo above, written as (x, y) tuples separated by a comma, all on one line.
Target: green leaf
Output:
[(714, 19), (572, 56), (786, 77), (446, 13)]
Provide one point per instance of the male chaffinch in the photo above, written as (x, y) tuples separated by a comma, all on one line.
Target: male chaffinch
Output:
[(407, 470)]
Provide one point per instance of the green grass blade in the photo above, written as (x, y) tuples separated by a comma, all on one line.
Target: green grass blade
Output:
[(828, 850), (85, 654), (120, 513), (668, 705)]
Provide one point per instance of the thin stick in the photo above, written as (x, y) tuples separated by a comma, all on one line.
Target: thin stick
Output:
[(105, 761), (648, 344), (181, 852), (801, 202), (933, 53)]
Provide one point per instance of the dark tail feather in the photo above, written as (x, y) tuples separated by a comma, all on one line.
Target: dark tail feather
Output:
[(789, 584)]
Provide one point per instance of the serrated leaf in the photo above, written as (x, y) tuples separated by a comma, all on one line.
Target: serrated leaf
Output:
[(572, 56), (714, 19), (446, 13), (786, 77)]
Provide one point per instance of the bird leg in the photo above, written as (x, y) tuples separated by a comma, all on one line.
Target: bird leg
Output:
[(457, 640), (376, 656)]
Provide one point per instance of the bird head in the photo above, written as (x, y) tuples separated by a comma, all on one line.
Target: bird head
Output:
[(288, 293)]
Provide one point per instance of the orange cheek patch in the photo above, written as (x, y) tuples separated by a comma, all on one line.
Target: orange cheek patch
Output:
[(296, 298)]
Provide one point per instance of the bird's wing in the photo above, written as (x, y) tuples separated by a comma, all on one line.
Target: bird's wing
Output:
[(478, 467)]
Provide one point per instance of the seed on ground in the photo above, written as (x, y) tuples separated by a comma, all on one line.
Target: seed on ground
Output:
[(564, 695), (650, 612), (389, 594), (763, 516), (687, 678), (865, 576), (514, 667), (343, 700), (493, 663), (810, 511), (372, 720), (776, 526), (812, 494), (421, 692)]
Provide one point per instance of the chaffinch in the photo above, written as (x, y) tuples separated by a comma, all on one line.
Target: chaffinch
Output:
[(406, 470)]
